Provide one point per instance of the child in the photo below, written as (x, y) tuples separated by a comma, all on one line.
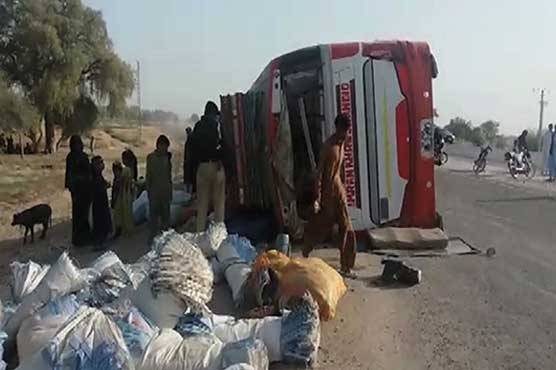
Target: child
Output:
[(122, 199), (102, 221), (116, 185), (159, 186)]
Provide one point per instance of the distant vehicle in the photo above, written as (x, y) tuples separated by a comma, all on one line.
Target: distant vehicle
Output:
[(385, 87)]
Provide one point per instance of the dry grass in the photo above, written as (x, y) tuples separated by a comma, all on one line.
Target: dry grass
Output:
[(39, 178)]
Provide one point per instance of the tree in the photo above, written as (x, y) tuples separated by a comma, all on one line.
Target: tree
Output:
[(477, 136), (58, 51), (460, 127), (16, 112), (194, 118), (490, 130), (83, 118)]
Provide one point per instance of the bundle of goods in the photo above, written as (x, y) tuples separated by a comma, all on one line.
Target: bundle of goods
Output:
[(90, 340), (235, 255), (106, 278), (153, 314), (294, 277), (182, 269), (25, 278), (292, 338), (210, 240)]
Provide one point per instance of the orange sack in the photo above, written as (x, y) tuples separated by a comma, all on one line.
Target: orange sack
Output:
[(297, 275)]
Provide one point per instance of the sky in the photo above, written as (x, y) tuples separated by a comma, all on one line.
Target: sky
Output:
[(491, 54)]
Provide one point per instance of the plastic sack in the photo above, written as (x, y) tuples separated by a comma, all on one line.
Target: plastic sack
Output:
[(209, 241), (140, 269), (230, 330), (177, 214), (37, 330), (61, 279), (300, 334), (140, 208), (89, 341), (191, 324), (25, 278), (240, 367), (297, 275), (180, 197), (183, 270), (107, 277), (249, 351), (137, 331), (236, 276), (217, 270), (236, 248), (162, 307), (3, 337), (169, 351)]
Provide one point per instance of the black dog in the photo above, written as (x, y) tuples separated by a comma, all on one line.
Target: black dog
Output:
[(40, 214)]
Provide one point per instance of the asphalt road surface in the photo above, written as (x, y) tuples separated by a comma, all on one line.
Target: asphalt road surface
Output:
[(475, 312), (470, 312)]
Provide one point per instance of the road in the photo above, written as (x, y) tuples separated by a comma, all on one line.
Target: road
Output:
[(490, 313), (470, 312)]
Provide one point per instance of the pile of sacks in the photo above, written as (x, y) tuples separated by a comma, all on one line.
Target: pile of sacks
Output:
[(153, 314)]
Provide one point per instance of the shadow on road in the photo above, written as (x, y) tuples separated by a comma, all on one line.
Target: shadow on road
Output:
[(515, 200), (461, 171), (376, 282)]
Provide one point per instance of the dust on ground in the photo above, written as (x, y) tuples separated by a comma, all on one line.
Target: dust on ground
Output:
[(39, 178), (365, 333)]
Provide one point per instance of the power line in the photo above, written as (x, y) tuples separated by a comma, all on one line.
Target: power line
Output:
[(542, 103), (140, 111)]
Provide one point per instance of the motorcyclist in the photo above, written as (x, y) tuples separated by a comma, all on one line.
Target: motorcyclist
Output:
[(484, 152), (438, 141), (520, 147)]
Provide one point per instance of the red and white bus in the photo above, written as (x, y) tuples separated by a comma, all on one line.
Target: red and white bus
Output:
[(278, 126)]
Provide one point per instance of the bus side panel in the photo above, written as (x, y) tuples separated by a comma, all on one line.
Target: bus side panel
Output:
[(419, 205), (344, 84), (392, 140)]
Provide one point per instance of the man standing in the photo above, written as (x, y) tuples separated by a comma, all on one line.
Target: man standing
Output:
[(208, 156), (188, 170), (159, 186), (330, 207), (552, 157), (545, 149), (78, 182)]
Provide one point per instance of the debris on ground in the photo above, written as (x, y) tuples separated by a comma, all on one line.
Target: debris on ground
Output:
[(154, 314), (396, 271)]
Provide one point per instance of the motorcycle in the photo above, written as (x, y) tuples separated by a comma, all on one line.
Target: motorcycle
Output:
[(481, 162), (520, 164), (440, 156)]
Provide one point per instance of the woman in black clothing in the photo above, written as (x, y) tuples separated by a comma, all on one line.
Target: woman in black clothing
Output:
[(78, 182), (102, 220)]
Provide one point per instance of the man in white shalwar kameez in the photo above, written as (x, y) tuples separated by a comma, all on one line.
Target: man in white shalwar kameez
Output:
[(545, 148)]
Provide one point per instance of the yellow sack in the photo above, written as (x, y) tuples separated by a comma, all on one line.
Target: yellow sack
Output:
[(298, 275)]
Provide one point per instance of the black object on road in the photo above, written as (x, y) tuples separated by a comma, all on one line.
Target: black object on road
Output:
[(398, 271)]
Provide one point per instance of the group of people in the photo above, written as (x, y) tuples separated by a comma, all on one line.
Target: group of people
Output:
[(206, 161), (8, 146), (89, 196)]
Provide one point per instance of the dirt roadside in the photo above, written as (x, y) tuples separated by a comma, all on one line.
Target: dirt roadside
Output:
[(369, 331)]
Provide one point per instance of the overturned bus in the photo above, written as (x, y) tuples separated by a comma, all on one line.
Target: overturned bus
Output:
[(276, 130)]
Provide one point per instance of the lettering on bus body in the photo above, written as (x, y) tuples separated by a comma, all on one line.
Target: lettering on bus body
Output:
[(346, 105)]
